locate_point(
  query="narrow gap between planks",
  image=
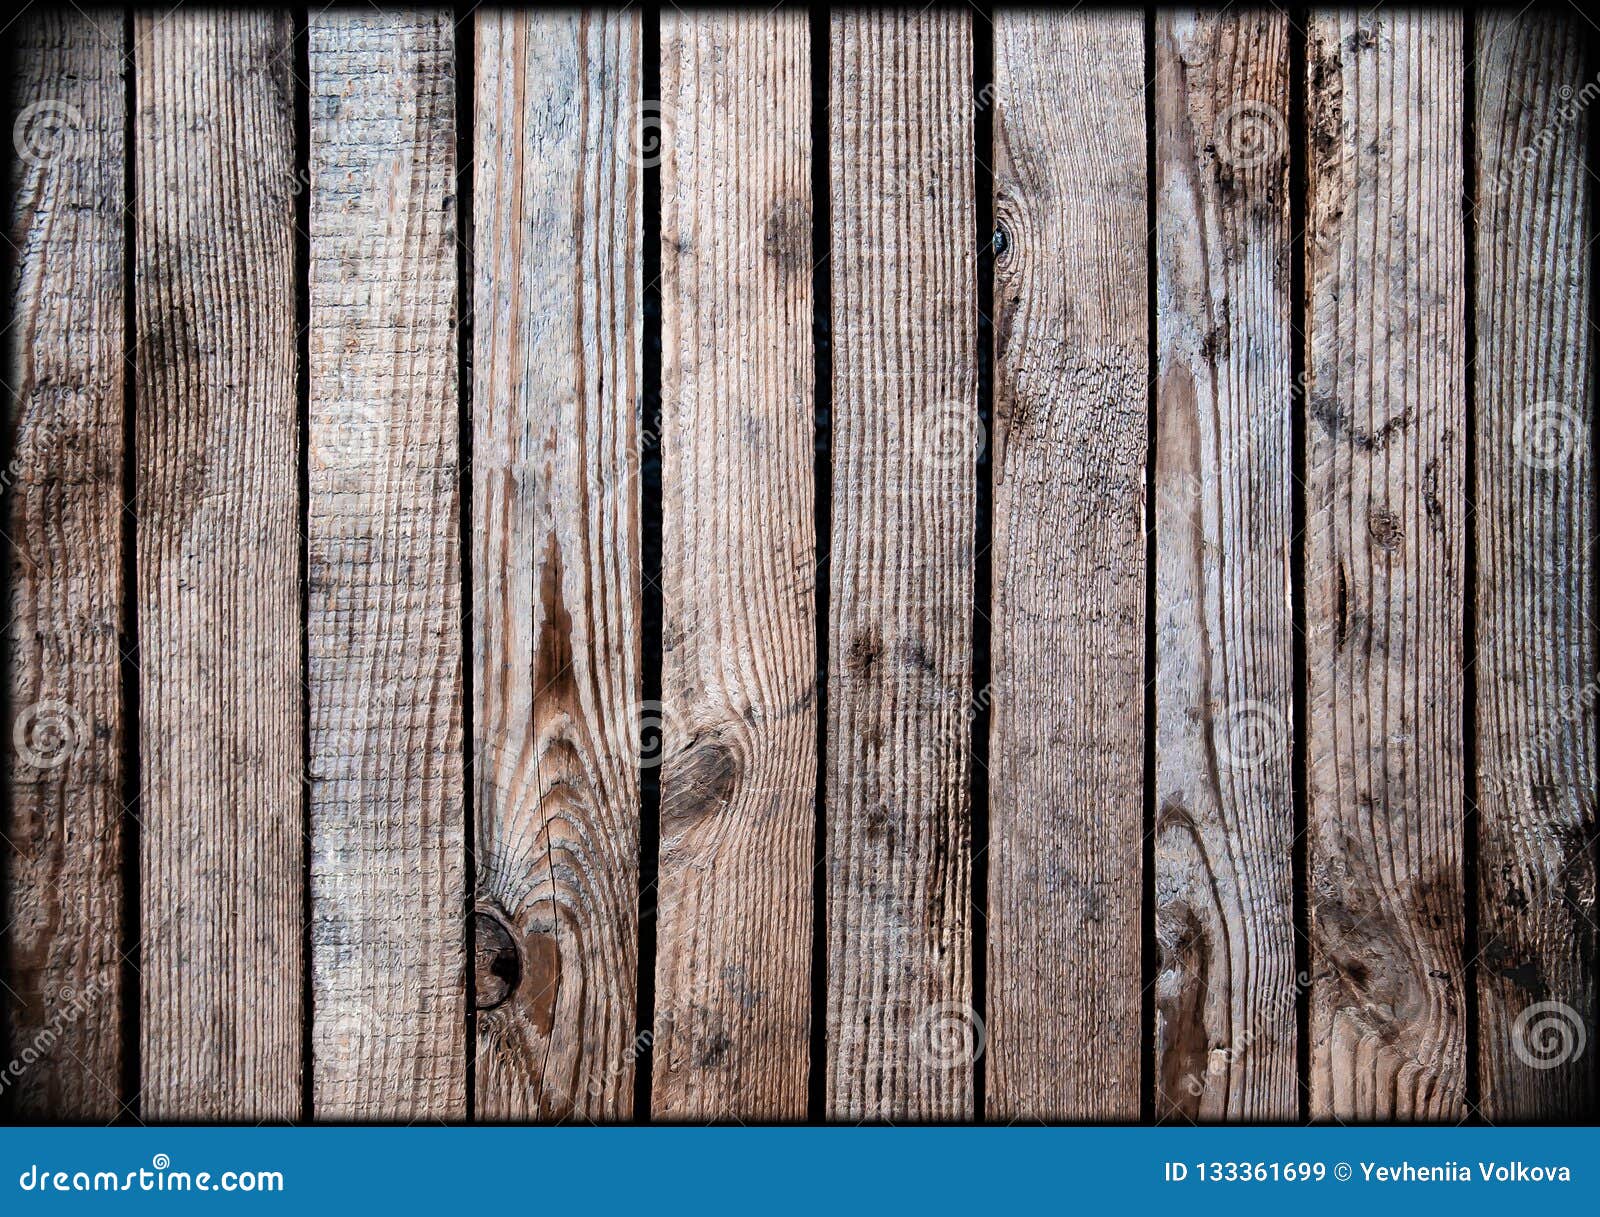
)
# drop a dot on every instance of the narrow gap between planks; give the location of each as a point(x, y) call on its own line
point(822, 514)
point(652, 607)
point(1299, 795)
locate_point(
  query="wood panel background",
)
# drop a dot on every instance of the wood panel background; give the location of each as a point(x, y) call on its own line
point(1247, 450)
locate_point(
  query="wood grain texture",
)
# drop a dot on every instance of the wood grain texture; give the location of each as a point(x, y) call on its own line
point(64, 349)
point(218, 556)
point(1385, 554)
point(1535, 608)
point(1071, 406)
point(738, 777)
point(1225, 997)
point(556, 560)
point(902, 1036)
point(384, 627)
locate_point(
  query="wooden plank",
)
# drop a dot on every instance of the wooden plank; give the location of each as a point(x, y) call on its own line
point(63, 373)
point(1225, 996)
point(1071, 407)
point(218, 555)
point(738, 777)
point(1535, 608)
point(902, 1036)
point(388, 954)
point(1385, 552)
point(556, 560)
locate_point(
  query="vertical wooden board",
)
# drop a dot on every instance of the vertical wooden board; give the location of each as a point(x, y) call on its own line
point(1385, 552)
point(902, 1036)
point(1071, 407)
point(738, 775)
point(384, 628)
point(556, 559)
point(63, 373)
point(1535, 631)
point(217, 555)
point(1225, 996)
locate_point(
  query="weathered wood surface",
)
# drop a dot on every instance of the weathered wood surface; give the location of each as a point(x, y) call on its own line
point(1225, 996)
point(901, 1034)
point(64, 350)
point(556, 559)
point(1535, 605)
point(738, 776)
point(1386, 434)
point(388, 932)
point(1070, 409)
point(218, 558)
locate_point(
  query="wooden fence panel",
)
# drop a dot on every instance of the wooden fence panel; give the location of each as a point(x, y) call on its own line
point(556, 560)
point(218, 566)
point(738, 777)
point(1071, 406)
point(1386, 434)
point(1226, 996)
point(64, 371)
point(384, 615)
point(902, 1035)
point(1535, 621)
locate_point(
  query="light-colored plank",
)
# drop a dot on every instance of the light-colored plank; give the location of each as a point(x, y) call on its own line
point(1225, 996)
point(384, 628)
point(738, 779)
point(556, 559)
point(1386, 441)
point(902, 1036)
point(1535, 618)
point(63, 376)
point(218, 558)
point(1071, 405)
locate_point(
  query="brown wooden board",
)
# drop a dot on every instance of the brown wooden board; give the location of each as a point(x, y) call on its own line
point(388, 929)
point(218, 566)
point(1386, 545)
point(738, 767)
point(64, 351)
point(1535, 606)
point(556, 379)
point(1066, 741)
point(902, 1036)
point(1226, 995)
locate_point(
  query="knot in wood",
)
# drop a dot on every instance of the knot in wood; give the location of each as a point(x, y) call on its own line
point(498, 969)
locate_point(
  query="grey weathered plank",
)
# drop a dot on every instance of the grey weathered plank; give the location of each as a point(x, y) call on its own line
point(218, 566)
point(1535, 606)
point(384, 615)
point(1225, 997)
point(1066, 740)
point(556, 559)
point(63, 376)
point(738, 777)
point(1385, 552)
point(901, 1033)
